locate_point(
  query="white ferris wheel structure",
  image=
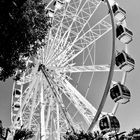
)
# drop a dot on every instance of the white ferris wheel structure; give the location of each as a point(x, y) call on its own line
point(80, 56)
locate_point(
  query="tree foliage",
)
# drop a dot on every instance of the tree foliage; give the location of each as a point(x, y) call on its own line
point(23, 134)
point(3, 132)
point(134, 134)
point(83, 136)
point(23, 25)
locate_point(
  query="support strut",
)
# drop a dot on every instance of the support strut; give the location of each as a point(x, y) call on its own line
point(43, 69)
point(100, 108)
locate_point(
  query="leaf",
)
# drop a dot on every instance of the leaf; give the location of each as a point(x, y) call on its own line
point(22, 24)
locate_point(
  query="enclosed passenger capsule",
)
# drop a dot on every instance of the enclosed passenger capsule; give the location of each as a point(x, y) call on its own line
point(16, 106)
point(124, 34)
point(13, 117)
point(119, 13)
point(124, 61)
point(67, 1)
point(120, 93)
point(58, 4)
point(17, 77)
point(1, 69)
point(109, 123)
point(50, 13)
point(17, 93)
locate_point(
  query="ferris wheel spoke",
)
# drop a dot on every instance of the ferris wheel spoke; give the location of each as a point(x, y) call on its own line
point(61, 118)
point(62, 123)
point(76, 22)
point(66, 16)
point(28, 76)
point(48, 4)
point(91, 68)
point(82, 20)
point(55, 51)
point(55, 39)
point(34, 123)
point(60, 28)
point(48, 45)
point(67, 53)
point(87, 39)
point(56, 95)
point(62, 15)
point(55, 30)
point(94, 32)
point(82, 17)
point(82, 104)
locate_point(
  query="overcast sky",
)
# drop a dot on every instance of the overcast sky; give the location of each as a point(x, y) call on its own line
point(129, 115)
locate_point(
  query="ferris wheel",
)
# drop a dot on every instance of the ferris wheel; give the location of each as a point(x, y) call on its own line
point(65, 86)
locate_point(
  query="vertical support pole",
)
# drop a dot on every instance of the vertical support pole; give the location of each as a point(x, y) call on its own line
point(37, 135)
point(58, 115)
point(42, 113)
point(48, 117)
point(51, 129)
point(20, 115)
point(42, 68)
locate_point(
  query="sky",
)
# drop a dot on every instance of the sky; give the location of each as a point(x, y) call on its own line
point(129, 115)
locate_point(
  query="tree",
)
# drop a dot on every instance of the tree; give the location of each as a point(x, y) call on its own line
point(23, 134)
point(20, 134)
point(134, 134)
point(23, 25)
point(2, 130)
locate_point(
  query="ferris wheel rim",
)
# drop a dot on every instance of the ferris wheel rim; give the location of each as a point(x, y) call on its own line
point(110, 76)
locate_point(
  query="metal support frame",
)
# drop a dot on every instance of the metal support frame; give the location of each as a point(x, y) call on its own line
point(110, 73)
point(42, 112)
point(42, 68)
point(90, 68)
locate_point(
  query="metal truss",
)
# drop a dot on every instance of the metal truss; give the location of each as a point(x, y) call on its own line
point(94, 68)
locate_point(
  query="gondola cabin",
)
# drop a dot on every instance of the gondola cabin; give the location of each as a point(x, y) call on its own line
point(67, 1)
point(58, 4)
point(16, 106)
point(1, 69)
point(119, 13)
point(17, 93)
point(18, 119)
point(124, 34)
point(124, 61)
point(109, 124)
point(50, 13)
point(13, 117)
point(120, 93)
point(17, 125)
